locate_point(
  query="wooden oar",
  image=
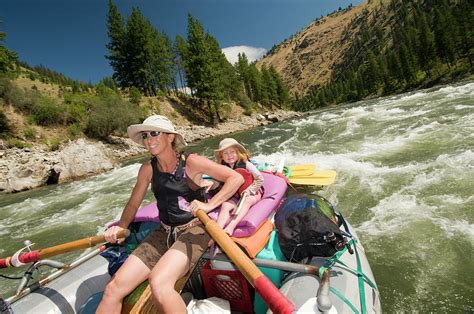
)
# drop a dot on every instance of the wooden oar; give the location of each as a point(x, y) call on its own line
point(36, 255)
point(276, 301)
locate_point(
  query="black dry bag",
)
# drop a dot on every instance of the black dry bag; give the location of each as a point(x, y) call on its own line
point(307, 227)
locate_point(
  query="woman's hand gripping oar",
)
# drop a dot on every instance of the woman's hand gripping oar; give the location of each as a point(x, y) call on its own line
point(19, 258)
point(270, 294)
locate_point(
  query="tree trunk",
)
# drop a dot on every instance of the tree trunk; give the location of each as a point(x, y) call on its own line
point(211, 115)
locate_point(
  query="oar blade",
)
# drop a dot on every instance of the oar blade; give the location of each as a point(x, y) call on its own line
point(312, 180)
point(302, 173)
point(309, 167)
point(324, 174)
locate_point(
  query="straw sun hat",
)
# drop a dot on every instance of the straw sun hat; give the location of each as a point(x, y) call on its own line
point(229, 142)
point(154, 123)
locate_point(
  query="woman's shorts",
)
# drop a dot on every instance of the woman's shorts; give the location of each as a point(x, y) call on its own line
point(192, 241)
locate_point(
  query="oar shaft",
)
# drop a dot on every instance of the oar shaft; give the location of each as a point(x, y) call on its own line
point(36, 255)
point(273, 297)
point(78, 244)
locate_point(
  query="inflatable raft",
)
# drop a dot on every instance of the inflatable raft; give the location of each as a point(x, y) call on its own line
point(343, 283)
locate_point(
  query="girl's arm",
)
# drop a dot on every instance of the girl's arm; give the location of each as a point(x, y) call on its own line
point(257, 178)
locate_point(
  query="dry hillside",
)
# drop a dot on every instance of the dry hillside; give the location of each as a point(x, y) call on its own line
point(183, 112)
point(309, 57)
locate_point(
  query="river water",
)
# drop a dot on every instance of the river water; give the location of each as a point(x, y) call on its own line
point(405, 181)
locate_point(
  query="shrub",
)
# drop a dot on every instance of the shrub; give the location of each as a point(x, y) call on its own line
point(4, 125)
point(54, 145)
point(75, 113)
point(29, 133)
point(110, 115)
point(74, 130)
point(22, 100)
point(14, 142)
point(48, 112)
point(135, 95)
point(245, 103)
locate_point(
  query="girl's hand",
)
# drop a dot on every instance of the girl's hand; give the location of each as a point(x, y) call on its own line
point(195, 205)
point(111, 235)
point(247, 191)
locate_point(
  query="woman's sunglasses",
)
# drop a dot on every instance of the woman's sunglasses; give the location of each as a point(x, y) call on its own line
point(151, 133)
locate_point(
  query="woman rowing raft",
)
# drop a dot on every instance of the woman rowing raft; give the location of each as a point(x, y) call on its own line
point(172, 250)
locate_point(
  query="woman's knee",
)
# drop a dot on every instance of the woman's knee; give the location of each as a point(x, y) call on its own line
point(114, 289)
point(160, 287)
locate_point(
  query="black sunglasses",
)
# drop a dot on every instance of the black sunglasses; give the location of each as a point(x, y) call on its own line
point(151, 133)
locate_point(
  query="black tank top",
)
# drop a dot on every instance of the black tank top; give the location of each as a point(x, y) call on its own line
point(167, 187)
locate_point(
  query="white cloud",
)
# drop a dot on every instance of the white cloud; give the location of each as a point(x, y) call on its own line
point(252, 53)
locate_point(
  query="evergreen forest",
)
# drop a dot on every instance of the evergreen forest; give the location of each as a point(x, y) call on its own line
point(405, 46)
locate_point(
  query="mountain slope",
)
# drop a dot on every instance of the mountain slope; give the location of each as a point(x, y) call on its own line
point(378, 48)
point(309, 57)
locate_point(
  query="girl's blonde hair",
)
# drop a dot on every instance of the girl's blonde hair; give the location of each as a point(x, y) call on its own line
point(241, 156)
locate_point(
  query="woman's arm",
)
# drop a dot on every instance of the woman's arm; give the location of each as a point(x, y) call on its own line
point(135, 200)
point(197, 165)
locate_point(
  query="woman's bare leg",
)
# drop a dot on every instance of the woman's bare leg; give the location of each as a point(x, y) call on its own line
point(173, 265)
point(128, 277)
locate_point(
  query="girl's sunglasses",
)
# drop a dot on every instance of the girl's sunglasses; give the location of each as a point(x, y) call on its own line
point(151, 133)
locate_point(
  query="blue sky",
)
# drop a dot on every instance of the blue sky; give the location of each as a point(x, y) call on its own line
point(69, 36)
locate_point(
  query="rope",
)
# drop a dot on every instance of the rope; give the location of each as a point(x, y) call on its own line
point(8, 277)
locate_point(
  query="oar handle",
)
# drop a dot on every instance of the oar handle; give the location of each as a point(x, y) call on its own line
point(270, 294)
point(78, 244)
point(36, 255)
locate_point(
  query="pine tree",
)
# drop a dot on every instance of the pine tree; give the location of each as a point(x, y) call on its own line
point(180, 49)
point(243, 74)
point(163, 61)
point(7, 57)
point(256, 85)
point(426, 47)
point(464, 13)
point(269, 86)
point(117, 45)
point(444, 35)
point(281, 89)
point(394, 66)
point(406, 60)
point(139, 43)
point(201, 65)
point(372, 72)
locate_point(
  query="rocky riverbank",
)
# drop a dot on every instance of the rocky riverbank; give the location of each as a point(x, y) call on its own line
point(28, 168)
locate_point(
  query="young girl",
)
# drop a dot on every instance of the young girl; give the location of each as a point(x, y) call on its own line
point(232, 154)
